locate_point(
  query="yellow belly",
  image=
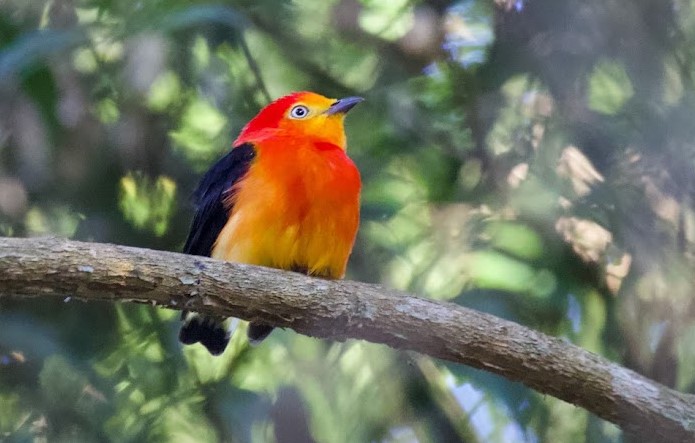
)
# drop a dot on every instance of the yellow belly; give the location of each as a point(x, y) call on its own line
point(304, 220)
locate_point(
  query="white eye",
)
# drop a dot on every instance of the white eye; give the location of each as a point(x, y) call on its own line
point(299, 111)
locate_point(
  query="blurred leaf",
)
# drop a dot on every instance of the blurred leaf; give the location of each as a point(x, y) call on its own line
point(515, 239)
point(57, 220)
point(145, 204)
point(389, 20)
point(165, 91)
point(61, 383)
point(199, 135)
point(490, 270)
point(609, 87)
point(107, 111)
point(12, 415)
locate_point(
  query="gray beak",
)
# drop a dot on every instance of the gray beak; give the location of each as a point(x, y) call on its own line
point(343, 105)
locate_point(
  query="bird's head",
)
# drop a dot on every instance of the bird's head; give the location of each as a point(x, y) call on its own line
point(301, 115)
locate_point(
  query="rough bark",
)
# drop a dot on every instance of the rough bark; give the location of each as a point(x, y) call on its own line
point(344, 309)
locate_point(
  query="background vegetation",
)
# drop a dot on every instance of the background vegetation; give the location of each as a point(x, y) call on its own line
point(529, 158)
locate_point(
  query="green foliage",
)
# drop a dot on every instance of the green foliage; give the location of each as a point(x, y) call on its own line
point(146, 204)
point(532, 159)
point(200, 127)
point(609, 88)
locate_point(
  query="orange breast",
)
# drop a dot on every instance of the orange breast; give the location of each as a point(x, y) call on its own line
point(297, 208)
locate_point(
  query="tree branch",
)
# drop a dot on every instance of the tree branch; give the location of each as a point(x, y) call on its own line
point(345, 309)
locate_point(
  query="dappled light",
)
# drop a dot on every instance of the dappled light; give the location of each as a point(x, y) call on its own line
point(530, 159)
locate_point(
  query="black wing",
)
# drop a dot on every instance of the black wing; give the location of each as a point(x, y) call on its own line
point(211, 214)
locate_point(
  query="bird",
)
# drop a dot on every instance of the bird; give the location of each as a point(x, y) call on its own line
point(285, 196)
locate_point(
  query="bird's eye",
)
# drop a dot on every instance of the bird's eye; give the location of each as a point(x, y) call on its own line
point(299, 111)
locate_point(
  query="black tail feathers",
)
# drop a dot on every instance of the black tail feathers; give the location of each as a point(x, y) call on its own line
point(209, 331)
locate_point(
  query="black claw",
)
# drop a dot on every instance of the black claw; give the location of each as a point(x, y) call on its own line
point(258, 332)
point(206, 330)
